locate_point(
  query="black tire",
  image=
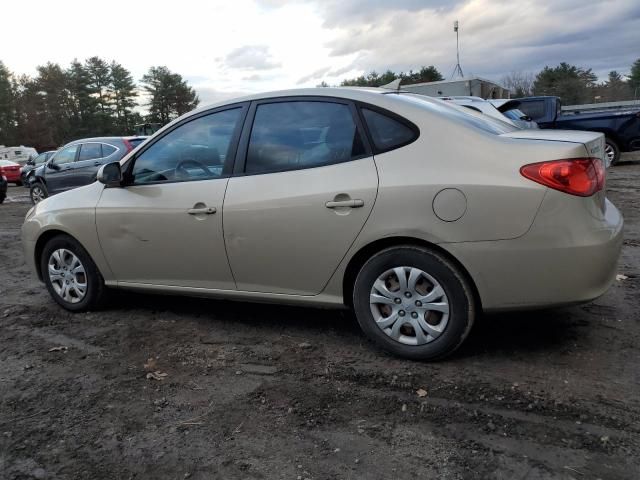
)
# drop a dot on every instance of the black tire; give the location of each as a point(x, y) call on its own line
point(459, 296)
point(2, 197)
point(95, 290)
point(37, 185)
point(616, 150)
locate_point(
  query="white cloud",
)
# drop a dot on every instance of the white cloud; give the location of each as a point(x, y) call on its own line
point(225, 48)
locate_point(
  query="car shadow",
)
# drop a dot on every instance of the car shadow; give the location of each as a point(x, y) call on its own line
point(494, 335)
point(522, 332)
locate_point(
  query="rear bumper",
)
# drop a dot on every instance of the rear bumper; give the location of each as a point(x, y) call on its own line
point(560, 261)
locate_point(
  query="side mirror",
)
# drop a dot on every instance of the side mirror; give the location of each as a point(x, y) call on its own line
point(52, 165)
point(110, 174)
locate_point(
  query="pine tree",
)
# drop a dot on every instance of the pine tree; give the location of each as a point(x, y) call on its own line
point(123, 92)
point(99, 77)
point(634, 79)
point(52, 86)
point(170, 95)
point(572, 84)
point(83, 105)
point(7, 107)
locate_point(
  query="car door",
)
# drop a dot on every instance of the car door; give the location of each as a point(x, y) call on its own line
point(305, 185)
point(87, 164)
point(91, 157)
point(165, 226)
point(59, 169)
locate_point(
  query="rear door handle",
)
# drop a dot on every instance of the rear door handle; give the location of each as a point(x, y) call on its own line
point(345, 203)
point(97, 164)
point(203, 210)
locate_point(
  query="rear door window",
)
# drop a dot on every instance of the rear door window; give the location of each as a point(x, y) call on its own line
point(387, 132)
point(90, 151)
point(302, 134)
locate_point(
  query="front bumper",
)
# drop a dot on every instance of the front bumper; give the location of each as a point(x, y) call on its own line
point(562, 260)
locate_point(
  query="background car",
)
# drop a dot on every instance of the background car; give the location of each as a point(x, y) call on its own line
point(510, 115)
point(415, 213)
point(11, 170)
point(511, 109)
point(77, 163)
point(3, 188)
point(28, 168)
point(621, 126)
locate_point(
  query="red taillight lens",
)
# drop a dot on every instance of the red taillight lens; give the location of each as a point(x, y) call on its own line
point(576, 176)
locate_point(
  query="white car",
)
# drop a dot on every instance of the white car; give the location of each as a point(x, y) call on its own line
point(512, 116)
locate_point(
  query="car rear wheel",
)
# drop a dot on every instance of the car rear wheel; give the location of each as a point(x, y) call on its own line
point(38, 192)
point(2, 197)
point(611, 151)
point(71, 276)
point(413, 302)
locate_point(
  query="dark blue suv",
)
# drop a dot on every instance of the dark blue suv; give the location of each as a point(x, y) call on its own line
point(77, 163)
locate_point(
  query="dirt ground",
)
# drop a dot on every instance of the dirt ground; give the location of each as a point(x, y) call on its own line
point(254, 391)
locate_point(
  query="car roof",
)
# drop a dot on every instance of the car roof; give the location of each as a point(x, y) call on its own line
point(353, 93)
point(105, 139)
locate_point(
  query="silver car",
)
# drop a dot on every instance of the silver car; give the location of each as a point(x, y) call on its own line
point(416, 214)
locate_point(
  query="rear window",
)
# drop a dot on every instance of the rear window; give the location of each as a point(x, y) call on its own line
point(514, 114)
point(534, 109)
point(386, 132)
point(134, 142)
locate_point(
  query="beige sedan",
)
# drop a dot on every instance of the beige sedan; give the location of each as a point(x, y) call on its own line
point(416, 214)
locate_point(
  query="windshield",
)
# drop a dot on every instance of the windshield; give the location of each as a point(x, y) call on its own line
point(515, 114)
point(466, 115)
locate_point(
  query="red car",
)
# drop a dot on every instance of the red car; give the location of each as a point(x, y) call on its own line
point(11, 170)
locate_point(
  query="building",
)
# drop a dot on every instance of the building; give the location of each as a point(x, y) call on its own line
point(471, 86)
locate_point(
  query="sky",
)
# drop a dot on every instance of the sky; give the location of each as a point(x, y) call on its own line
point(233, 47)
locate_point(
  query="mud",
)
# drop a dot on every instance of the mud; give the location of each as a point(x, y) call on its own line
point(255, 391)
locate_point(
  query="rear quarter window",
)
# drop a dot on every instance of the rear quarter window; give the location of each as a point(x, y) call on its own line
point(387, 132)
point(107, 150)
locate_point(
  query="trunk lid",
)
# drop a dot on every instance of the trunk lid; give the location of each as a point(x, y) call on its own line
point(593, 141)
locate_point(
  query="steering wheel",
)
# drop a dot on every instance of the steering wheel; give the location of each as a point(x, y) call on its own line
point(181, 171)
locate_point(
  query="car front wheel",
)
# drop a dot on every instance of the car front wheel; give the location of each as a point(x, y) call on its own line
point(71, 276)
point(413, 302)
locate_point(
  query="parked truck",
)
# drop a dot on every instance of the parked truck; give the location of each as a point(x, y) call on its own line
point(621, 126)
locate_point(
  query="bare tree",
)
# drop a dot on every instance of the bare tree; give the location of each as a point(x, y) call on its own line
point(520, 83)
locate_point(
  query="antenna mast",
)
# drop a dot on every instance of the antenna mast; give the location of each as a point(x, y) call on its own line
point(458, 69)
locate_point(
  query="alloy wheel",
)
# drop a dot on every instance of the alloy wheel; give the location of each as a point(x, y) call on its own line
point(67, 275)
point(37, 194)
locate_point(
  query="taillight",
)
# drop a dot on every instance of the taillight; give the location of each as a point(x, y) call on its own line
point(576, 176)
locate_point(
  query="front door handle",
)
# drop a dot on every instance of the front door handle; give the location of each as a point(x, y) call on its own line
point(203, 210)
point(345, 203)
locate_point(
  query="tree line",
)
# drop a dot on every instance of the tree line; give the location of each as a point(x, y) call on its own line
point(573, 84)
point(90, 98)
